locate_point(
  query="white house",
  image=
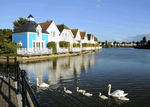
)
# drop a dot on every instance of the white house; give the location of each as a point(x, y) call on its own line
point(95, 40)
point(90, 38)
point(53, 31)
point(84, 38)
point(77, 36)
point(66, 34)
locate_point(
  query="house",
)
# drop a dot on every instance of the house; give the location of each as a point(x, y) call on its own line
point(100, 43)
point(77, 37)
point(66, 34)
point(53, 31)
point(95, 40)
point(90, 38)
point(84, 38)
point(31, 35)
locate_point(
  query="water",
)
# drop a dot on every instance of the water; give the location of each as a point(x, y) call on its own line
point(127, 69)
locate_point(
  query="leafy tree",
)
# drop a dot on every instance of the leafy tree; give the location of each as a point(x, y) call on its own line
point(137, 43)
point(133, 42)
point(148, 43)
point(114, 42)
point(144, 40)
point(141, 42)
point(19, 23)
point(106, 42)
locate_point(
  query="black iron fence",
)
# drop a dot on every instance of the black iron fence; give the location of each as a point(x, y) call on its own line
point(28, 97)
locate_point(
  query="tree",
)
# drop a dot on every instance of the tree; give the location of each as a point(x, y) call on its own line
point(148, 43)
point(106, 43)
point(19, 23)
point(141, 42)
point(144, 40)
point(133, 42)
point(114, 43)
point(137, 43)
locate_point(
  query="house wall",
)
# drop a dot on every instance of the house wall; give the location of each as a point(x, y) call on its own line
point(66, 38)
point(78, 38)
point(85, 40)
point(22, 37)
point(45, 38)
point(32, 36)
point(54, 28)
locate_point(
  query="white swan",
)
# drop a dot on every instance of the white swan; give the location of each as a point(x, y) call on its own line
point(87, 94)
point(123, 98)
point(116, 93)
point(41, 85)
point(67, 91)
point(80, 91)
point(102, 96)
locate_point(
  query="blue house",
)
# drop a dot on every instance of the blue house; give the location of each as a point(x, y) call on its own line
point(31, 35)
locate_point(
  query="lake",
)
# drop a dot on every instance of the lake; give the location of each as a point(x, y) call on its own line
point(126, 69)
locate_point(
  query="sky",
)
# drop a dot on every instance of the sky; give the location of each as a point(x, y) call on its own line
point(111, 20)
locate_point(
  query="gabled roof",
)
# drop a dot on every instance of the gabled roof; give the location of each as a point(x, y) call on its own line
point(82, 34)
point(95, 39)
point(30, 16)
point(74, 31)
point(29, 26)
point(62, 27)
point(45, 25)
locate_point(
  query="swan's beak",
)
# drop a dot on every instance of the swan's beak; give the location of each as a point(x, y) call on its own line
point(108, 85)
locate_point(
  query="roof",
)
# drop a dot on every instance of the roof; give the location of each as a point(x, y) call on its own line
point(45, 25)
point(62, 27)
point(95, 39)
point(29, 26)
point(82, 34)
point(74, 31)
point(89, 36)
point(30, 16)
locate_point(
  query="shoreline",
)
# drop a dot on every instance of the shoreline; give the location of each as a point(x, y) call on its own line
point(41, 58)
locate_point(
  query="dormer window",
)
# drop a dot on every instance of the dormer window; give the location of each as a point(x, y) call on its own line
point(19, 43)
point(39, 31)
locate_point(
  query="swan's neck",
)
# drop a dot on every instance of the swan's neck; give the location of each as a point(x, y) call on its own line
point(37, 82)
point(64, 89)
point(109, 90)
point(77, 89)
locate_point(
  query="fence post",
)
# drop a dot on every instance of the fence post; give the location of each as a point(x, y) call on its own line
point(18, 78)
point(8, 66)
point(15, 68)
point(23, 88)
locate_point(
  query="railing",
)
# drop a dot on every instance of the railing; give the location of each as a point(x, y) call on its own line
point(62, 50)
point(28, 97)
point(24, 51)
point(75, 49)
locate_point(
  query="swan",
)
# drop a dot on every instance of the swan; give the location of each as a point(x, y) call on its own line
point(123, 98)
point(41, 85)
point(81, 91)
point(67, 91)
point(116, 93)
point(87, 94)
point(102, 96)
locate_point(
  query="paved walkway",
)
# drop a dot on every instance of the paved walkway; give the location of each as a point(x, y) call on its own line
point(8, 96)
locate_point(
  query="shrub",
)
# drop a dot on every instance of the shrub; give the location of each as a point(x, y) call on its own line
point(62, 44)
point(52, 45)
point(76, 45)
point(68, 46)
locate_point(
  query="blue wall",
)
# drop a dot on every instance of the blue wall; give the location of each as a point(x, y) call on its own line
point(45, 38)
point(32, 36)
point(22, 37)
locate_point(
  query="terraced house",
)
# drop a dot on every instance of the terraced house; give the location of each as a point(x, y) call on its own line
point(34, 38)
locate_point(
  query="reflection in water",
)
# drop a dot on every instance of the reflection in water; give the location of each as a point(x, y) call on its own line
point(59, 70)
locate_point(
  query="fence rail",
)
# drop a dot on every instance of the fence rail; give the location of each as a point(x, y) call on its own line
point(23, 86)
point(62, 50)
point(24, 51)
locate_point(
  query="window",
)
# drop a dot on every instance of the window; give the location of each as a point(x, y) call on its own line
point(53, 34)
point(66, 34)
point(63, 35)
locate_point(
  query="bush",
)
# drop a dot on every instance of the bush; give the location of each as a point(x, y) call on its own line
point(52, 45)
point(76, 45)
point(68, 46)
point(62, 44)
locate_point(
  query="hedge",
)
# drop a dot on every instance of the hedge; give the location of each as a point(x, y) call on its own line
point(65, 44)
point(52, 45)
point(76, 45)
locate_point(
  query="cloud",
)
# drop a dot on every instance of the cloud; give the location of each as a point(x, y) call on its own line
point(97, 5)
point(99, 0)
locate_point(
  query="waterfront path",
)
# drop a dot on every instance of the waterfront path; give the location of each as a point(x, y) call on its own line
point(8, 96)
